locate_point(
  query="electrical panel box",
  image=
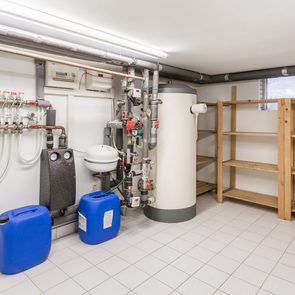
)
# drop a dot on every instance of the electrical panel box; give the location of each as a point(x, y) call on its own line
point(98, 81)
point(61, 76)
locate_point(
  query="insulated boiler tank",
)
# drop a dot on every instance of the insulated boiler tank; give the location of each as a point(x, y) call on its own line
point(175, 187)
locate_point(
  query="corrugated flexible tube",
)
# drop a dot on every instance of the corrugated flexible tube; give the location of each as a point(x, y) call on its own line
point(9, 144)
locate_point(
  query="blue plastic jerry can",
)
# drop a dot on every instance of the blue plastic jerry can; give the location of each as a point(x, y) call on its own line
point(99, 217)
point(25, 238)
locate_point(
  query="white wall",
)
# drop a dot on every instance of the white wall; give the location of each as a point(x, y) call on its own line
point(88, 113)
point(249, 118)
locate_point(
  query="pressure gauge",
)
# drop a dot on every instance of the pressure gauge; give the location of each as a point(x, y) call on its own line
point(53, 157)
point(67, 155)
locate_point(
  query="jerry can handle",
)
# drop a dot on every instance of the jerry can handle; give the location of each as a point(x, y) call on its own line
point(4, 220)
point(26, 211)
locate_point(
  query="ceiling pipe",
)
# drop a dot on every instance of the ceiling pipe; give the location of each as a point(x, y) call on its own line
point(166, 71)
point(176, 73)
point(21, 35)
point(69, 63)
point(254, 75)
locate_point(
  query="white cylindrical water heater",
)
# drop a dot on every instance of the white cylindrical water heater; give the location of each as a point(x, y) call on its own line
point(175, 192)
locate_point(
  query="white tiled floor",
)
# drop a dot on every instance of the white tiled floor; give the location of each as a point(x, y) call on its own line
point(233, 248)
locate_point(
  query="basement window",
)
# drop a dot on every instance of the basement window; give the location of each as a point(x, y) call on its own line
point(282, 87)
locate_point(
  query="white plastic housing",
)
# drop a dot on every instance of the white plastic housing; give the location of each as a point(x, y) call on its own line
point(199, 108)
point(98, 81)
point(61, 76)
point(176, 152)
point(101, 158)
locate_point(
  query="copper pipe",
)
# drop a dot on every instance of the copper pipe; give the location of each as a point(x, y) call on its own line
point(58, 127)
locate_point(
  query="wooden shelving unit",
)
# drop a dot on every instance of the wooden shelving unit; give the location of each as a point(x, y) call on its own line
point(252, 197)
point(289, 136)
point(243, 195)
point(204, 187)
point(205, 133)
point(259, 134)
point(203, 161)
point(251, 165)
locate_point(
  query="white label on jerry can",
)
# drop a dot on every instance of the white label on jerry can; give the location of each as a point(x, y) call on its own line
point(82, 222)
point(108, 219)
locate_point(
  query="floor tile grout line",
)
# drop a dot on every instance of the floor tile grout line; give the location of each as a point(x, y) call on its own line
point(223, 248)
point(278, 261)
point(196, 244)
point(168, 243)
point(17, 284)
point(183, 253)
point(252, 253)
point(72, 277)
point(68, 276)
point(33, 282)
point(168, 264)
point(190, 276)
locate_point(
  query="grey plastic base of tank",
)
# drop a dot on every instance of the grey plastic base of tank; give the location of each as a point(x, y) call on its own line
point(170, 215)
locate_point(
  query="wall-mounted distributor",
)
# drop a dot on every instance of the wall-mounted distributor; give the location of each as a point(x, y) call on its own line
point(98, 81)
point(61, 76)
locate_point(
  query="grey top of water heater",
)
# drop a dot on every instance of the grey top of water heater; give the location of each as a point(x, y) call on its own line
point(176, 88)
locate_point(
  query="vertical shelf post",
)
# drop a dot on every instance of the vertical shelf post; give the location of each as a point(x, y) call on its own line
point(281, 160)
point(288, 159)
point(233, 139)
point(219, 151)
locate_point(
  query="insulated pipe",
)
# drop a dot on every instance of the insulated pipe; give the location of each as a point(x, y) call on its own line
point(130, 89)
point(254, 75)
point(124, 110)
point(145, 116)
point(53, 42)
point(154, 111)
point(146, 129)
point(184, 75)
point(8, 142)
point(69, 63)
point(2, 146)
point(21, 39)
point(37, 153)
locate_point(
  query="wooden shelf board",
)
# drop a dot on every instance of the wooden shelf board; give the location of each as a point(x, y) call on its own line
point(242, 133)
point(205, 133)
point(249, 101)
point(247, 196)
point(251, 165)
point(293, 171)
point(204, 187)
point(293, 206)
point(205, 160)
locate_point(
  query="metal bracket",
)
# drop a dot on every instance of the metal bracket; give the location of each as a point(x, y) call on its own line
point(285, 72)
point(40, 78)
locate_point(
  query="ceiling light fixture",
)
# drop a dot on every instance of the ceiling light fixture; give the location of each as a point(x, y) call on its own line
point(37, 22)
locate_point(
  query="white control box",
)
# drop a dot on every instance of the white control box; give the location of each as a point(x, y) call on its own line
point(61, 76)
point(135, 202)
point(98, 81)
point(136, 93)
